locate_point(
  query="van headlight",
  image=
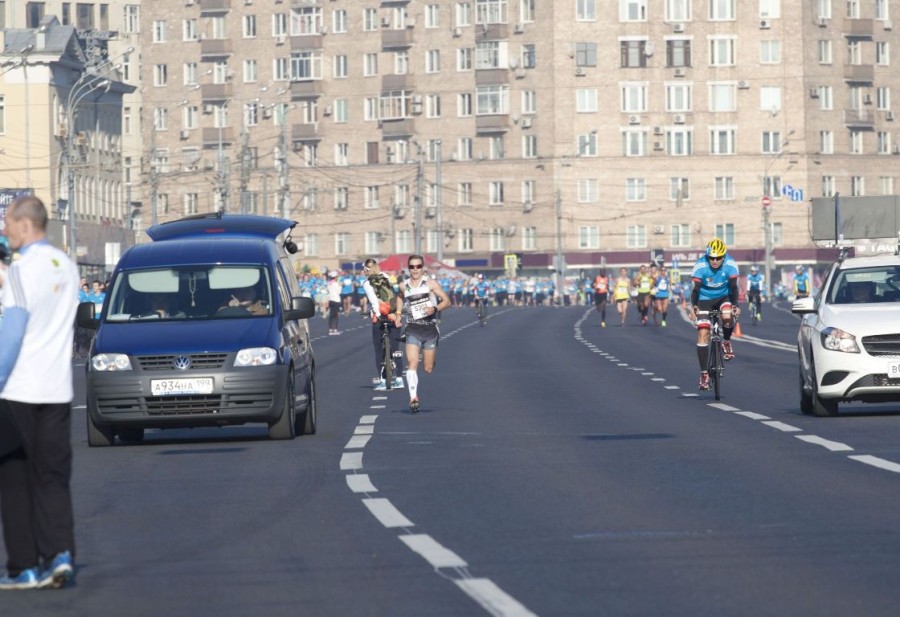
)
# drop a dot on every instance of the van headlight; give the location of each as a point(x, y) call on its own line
point(835, 339)
point(107, 362)
point(256, 356)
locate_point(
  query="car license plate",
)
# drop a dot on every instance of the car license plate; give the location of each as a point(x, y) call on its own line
point(893, 369)
point(174, 387)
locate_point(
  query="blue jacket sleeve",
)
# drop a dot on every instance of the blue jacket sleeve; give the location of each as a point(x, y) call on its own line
point(12, 333)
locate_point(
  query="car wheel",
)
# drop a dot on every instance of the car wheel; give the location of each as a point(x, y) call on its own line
point(822, 408)
point(98, 436)
point(131, 435)
point(306, 424)
point(806, 401)
point(284, 426)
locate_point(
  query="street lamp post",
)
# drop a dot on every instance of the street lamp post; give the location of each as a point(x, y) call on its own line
point(87, 84)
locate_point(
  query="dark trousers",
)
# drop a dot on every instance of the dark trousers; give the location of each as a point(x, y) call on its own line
point(395, 334)
point(35, 500)
point(334, 309)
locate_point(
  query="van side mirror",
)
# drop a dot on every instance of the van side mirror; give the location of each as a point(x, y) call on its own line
point(301, 308)
point(84, 316)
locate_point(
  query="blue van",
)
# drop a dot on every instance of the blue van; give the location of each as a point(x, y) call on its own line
point(204, 326)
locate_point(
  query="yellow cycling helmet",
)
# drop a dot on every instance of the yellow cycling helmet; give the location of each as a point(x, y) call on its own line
point(716, 248)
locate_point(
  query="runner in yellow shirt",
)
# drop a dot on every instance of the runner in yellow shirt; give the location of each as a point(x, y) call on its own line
point(622, 294)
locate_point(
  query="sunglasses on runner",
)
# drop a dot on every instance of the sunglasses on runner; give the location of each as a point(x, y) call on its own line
point(711, 258)
point(416, 266)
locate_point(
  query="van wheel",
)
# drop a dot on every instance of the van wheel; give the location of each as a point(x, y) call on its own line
point(306, 423)
point(98, 436)
point(284, 427)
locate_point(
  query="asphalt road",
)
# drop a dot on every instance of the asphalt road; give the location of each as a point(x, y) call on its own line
point(556, 468)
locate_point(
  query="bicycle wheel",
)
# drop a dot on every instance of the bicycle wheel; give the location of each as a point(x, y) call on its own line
point(386, 362)
point(713, 364)
point(482, 313)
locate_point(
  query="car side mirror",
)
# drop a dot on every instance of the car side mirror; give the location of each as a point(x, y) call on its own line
point(84, 316)
point(803, 306)
point(301, 308)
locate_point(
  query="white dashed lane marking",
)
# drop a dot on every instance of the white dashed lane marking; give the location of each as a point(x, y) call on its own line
point(432, 552)
point(360, 483)
point(386, 513)
point(832, 446)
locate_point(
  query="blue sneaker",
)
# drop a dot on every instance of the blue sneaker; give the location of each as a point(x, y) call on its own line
point(26, 579)
point(397, 383)
point(58, 573)
point(381, 385)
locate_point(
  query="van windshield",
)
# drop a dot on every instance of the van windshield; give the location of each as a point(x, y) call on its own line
point(193, 292)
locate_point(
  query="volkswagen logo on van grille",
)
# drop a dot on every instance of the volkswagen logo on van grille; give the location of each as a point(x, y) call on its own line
point(182, 363)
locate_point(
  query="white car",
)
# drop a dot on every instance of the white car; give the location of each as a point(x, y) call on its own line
point(849, 340)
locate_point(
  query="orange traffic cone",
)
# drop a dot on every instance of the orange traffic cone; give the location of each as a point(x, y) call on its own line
point(737, 330)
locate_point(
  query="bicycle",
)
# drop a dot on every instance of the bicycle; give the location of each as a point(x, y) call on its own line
point(388, 368)
point(482, 310)
point(753, 307)
point(715, 365)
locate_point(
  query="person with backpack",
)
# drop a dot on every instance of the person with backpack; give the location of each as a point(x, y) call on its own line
point(382, 301)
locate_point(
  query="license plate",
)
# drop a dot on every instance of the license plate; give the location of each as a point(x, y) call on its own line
point(173, 387)
point(893, 369)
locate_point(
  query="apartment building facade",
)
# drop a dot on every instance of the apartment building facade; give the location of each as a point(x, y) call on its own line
point(471, 129)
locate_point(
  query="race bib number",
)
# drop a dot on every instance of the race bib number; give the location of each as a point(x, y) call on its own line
point(418, 307)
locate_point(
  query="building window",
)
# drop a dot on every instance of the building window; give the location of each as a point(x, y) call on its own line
point(636, 236)
point(724, 188)
point(433, 61)
point(310, 245)
point(588, 191)
point(826, 97)
point(159, 31)
point(586, 145)
point(464, 193)
point(828, 186)
point(632, 54)
point(771, 142)
point(722, 140)
point(160, 118)
point(721, 51)
point(633, 10)
point(635, 189)
point(826, 142)
point(529, 147)
point(589, 237)
point(529, 102)
point(340, 67)
point(725, 233)
point(466, 240)
point(493, 99)
point(251, 71)
point(882, 53)
point(680, 235)
point(496, 193)
point(529, 56)
point(464, 106)
point(340, 111)
point(189, 30)
point(586, 100)
point(529, 238)
point(432, 16)
point(463, 13)
point(490, 11)
point(132, 18)
point(249, 29)
point(433, 106)
point(585, 54)
point(678, 97)
point(770, 9)
point(634, 142)
point(883, 98)
point(306, 21)
point(721, 10)
point(306, 65)
point(886, 185)
point(678, 10)
point(825, 52)
point(634, 97)
point(84, 16)
point(770, 52)
point(770, 98)
point(856, 142)
point(339, 21)
point(679, 142)
point(497, 239)
point(341, 243)
point(884, 142)
point(586, 10)
point(464, 148)
point(490, 54)
point(370, 20)
point(678, 53)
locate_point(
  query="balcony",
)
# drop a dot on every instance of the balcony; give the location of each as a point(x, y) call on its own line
point(396, 129)
point(396, 39)
point(859, 73)
point(491, 77)
point(859, 28)
point(305, 132)
point(216, 92)
point(214, 6)
point(215, 48)
point(859, 119)
point(307, 41)
point(212, 136)
point(492, 32)
point(311, 89)
point(492, 124)
point(397, 82)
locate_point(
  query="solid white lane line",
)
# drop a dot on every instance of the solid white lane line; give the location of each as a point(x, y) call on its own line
point(386, 513)
point(351, 460)
point(752, 415)
point(874, 461)
point(360, 483)
point(434, 553)
point(723, 406)
point(368, 419)
point(781, 426)
point(357, 442)
point(493, 599)
point(834, 446)
point(364, 429)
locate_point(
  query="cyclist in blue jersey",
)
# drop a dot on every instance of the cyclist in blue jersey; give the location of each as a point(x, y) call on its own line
point(801, 283)
point(715, 278)
point(755, 284)
point(480, 291)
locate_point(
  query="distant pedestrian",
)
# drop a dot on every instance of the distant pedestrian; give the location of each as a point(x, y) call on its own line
point(334, 303)
point(39, 300)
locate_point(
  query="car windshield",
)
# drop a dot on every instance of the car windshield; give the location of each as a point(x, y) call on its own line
point(875, 284)
point(194, 292)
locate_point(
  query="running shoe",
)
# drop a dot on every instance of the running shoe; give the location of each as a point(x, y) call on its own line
point(397, 382)
point(602, 324)
point(758, 317)
point(58, 573)
point(728, 352)
point(663, 324)
point(414, 405)
point(381, 385)
point(26, 579)
point(704, 381)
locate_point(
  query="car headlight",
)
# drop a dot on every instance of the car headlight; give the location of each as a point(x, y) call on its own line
point(107, 362)
point(256, 356)
point(836, 339)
